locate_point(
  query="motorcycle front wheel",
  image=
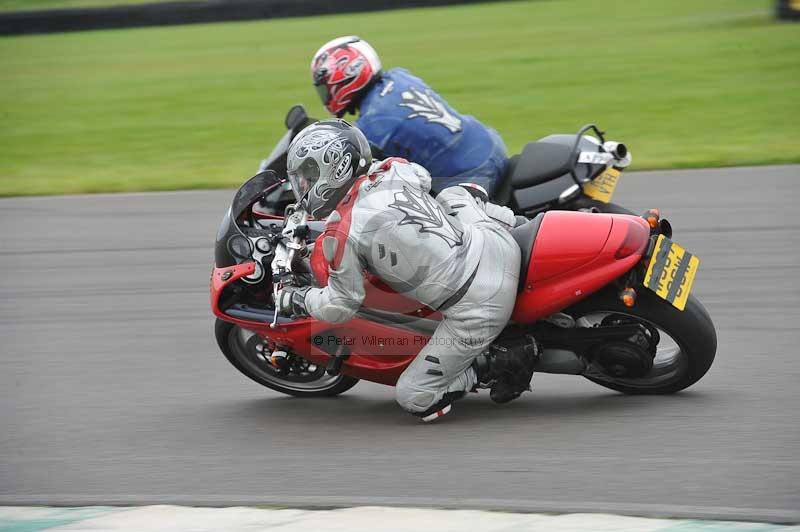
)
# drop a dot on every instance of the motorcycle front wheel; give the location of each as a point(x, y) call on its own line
point(246, 351)
point(687, 341)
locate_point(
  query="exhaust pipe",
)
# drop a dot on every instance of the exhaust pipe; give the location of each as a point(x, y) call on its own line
point(620, 152)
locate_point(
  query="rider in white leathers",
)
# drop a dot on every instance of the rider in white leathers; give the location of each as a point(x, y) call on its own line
point(453, 254)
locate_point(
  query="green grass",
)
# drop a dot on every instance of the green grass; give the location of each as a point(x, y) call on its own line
point(33, 5)
point(683, 83)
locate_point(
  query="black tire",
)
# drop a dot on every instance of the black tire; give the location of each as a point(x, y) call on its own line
point(243, 357)
point(691, 330)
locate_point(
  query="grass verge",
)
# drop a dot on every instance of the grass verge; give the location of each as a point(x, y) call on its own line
point(683, 83)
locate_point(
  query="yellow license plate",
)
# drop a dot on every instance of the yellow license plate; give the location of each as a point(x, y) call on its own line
point(602, 187)
point(671, 272)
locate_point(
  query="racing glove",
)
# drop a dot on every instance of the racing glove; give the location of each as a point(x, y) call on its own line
point(291, 301)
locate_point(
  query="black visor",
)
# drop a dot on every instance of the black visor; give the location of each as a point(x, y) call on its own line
point(324, 95)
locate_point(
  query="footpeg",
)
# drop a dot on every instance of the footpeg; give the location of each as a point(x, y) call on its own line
point(334, 366)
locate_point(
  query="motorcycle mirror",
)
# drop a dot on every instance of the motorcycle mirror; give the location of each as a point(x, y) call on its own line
point(296, 117)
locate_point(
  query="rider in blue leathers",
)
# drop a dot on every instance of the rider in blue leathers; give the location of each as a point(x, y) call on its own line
point(402, 116)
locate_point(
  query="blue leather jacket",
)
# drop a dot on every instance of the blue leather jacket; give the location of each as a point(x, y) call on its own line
point(404, 117)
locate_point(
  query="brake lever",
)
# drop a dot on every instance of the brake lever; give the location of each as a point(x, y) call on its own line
point(279, 277)
point(296, 229)
point(274, 319)
point(278, 272)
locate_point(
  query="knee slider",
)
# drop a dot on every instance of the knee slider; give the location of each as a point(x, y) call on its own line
point(441, 407)
point(412, 397)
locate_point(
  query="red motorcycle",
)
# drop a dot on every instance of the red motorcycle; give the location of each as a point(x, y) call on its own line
point(607, 296)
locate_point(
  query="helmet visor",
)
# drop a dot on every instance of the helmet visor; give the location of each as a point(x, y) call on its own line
point(305, 177)
point(322, 91)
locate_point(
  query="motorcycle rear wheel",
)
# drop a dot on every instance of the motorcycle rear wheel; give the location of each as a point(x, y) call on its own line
point(684, 354)
point(240, 348)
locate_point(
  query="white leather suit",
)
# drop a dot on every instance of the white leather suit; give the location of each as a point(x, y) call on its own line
point(453, 254)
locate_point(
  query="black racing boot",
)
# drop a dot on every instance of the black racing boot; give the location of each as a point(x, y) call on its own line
point(507, 368)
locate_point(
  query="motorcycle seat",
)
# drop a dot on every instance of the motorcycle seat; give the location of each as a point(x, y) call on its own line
point(502, 195)
point(541, 161)
point(525, 236)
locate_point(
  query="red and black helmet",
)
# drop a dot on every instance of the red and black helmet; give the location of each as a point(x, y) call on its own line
point(341, 70)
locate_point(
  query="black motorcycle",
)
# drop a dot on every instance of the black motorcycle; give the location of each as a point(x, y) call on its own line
point(576, 172)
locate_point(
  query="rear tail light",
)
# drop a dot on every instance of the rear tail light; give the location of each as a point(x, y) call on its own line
point(652, 216)
point(635, 239)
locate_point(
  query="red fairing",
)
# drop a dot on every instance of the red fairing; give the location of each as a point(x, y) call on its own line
point(222, 277)
point(378, 353)
point(574, 255)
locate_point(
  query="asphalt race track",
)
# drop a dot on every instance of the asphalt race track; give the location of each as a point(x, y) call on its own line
point(112, 389)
